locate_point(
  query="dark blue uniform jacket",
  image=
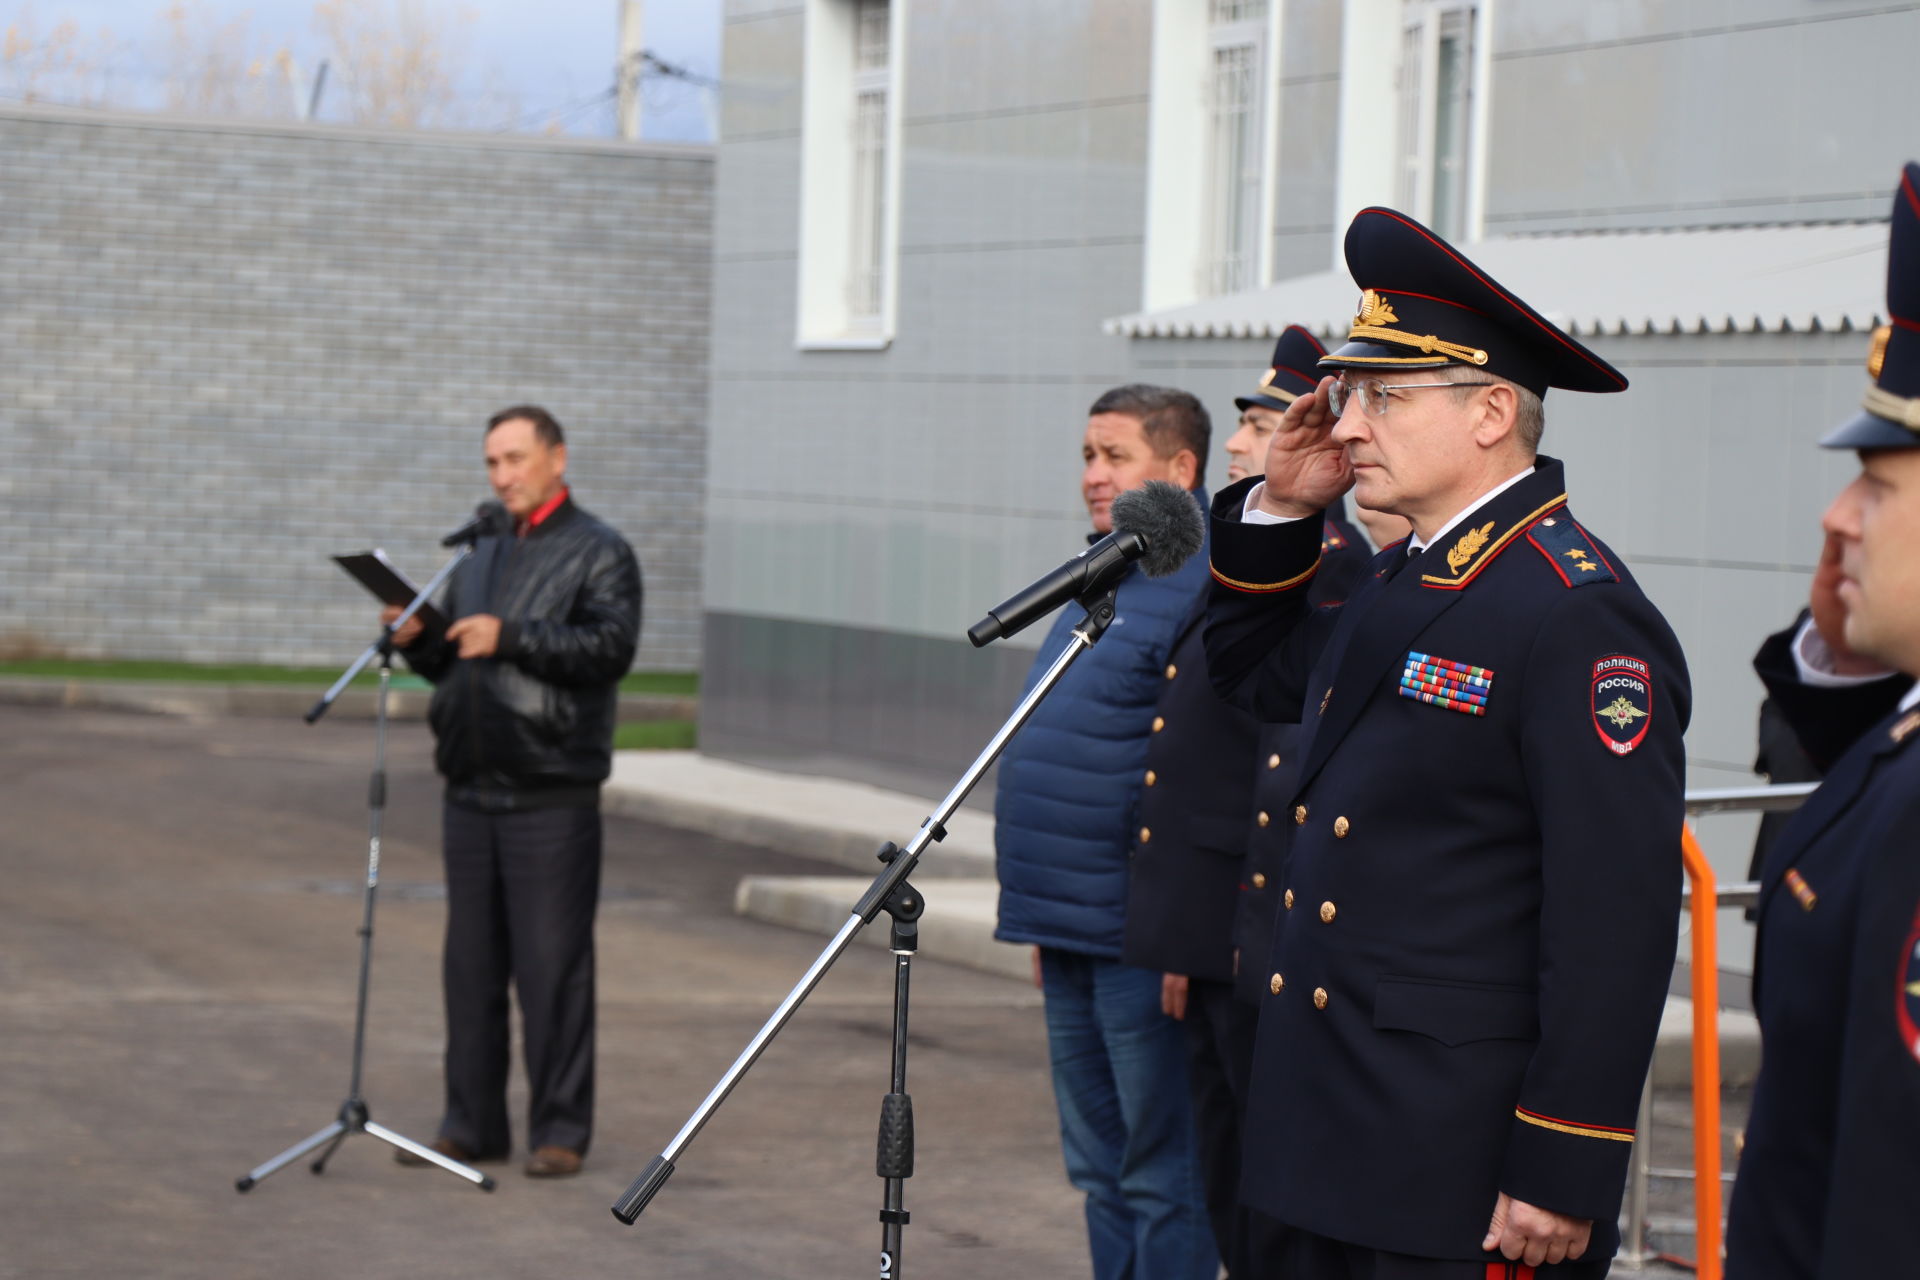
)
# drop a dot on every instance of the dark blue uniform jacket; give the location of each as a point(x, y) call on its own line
point(1194, 828)
point(1069, 780)
point(1829, 1179)
point(1484, 874)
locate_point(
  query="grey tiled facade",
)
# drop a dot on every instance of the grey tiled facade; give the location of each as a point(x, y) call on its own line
point(228, 352)
point(865, 507)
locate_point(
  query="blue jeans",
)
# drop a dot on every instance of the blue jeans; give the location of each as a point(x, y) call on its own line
point(1126, 1123)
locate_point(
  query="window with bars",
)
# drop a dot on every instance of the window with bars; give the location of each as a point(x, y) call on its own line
point(1436, 86)
point(866, 257)
point(851, 92)
point(1236, 89)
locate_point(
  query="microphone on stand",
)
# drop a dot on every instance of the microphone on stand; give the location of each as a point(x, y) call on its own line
point(1158, 524)
point(489, 518)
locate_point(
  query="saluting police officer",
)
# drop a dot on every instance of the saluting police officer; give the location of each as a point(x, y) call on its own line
point(1185, 866)
point(1482, 890)
point(1831, 1168)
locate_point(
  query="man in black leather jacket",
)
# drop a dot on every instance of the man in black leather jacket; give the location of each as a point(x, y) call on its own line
point(526, 683)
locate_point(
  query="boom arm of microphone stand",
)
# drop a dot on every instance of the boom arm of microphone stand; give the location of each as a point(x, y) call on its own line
point(385, 642)
point(1100, 611)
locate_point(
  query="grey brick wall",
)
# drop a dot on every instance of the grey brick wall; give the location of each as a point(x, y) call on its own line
point(228, 352)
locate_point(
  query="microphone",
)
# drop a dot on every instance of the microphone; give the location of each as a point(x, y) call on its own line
point(490, 517)
point(1157, 524)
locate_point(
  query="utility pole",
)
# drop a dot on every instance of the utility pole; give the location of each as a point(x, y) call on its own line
point(630, 66)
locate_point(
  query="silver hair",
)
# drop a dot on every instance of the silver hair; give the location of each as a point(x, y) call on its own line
point(1529, 414)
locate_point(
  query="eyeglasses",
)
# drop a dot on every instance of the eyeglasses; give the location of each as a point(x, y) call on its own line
point(1375, 395)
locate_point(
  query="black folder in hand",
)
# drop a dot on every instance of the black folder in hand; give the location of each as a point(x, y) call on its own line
point(372, 570)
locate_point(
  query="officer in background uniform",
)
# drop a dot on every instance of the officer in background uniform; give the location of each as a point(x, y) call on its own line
point(1831, 1169)
point(1185, 869)
point(1485, 867)
point(1344, 553)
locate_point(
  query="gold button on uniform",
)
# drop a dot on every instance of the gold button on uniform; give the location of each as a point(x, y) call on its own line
point(1172, 671)
point(1326, 913)
point(1262, 818)
point(1299, 814)
point(1277, 984)
point(1159, 723)
point(1273, 761)
point(1319, 997)
point(1152, 777)
point(1289, 899)
point(1259, 879)
point(1145, 835)
point(1340, 828)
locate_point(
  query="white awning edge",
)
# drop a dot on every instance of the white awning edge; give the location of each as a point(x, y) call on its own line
point(1798, 278)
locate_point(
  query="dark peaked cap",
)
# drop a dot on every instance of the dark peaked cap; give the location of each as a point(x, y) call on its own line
point(1426, 305)
point(1292, 374)
point(1892, 417)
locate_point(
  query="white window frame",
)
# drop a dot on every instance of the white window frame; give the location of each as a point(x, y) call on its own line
point(1229, 268)
point(1418, 89)
point(1376, 154)
point(827, 318)
point(1180, 185)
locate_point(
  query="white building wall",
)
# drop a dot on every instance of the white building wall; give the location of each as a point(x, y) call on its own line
point(864, 508)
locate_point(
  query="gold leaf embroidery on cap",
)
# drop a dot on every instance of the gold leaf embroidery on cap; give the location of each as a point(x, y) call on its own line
point(1877, 352)
point(1374, 310)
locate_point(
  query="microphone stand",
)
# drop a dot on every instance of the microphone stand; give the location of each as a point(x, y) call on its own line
point(891, 893)
point(353, 1116)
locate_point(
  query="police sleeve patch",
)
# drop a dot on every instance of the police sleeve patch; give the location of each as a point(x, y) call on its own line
point(1622, 702)
point(1907, 1000)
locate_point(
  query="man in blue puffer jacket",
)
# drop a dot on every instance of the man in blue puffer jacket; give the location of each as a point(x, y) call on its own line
point(1068, 785)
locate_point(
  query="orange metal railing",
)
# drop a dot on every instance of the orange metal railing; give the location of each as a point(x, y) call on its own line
point(1706, 1058)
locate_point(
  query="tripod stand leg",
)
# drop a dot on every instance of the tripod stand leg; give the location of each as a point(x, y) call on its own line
point(431, 1156)
point(319, 1164)
point(332, 1133)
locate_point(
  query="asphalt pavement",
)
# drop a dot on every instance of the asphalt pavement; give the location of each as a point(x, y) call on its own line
point(178, 955)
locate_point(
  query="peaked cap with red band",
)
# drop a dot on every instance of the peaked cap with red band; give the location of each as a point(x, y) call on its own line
point(1892, 417)
point(1291, 375)
point(1427, 305)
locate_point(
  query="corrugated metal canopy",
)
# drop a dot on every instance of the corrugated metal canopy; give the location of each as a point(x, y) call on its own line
point(1774, 279)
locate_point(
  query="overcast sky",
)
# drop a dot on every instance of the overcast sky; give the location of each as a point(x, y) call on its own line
point(550, 57)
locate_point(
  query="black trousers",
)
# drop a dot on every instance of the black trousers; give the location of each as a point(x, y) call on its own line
point(521, 893)
point(1220, 1035)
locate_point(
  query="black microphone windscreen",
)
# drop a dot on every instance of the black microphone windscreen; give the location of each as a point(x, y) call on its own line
point(492, 516)
point(1168, 518)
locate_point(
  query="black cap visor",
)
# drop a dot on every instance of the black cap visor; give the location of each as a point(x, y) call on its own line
point(1382, 358)
point(1871, 431)
point(1264, 400)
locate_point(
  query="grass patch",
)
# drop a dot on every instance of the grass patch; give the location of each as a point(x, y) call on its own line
point(685, 684)
point(654, 735)
point(206, 673)
point(678, 683)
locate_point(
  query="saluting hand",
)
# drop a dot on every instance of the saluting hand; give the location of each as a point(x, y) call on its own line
point(1306, 468)
point(1535, 1236)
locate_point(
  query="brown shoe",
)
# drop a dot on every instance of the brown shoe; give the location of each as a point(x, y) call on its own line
point(553, 1162)
point(445, 1146)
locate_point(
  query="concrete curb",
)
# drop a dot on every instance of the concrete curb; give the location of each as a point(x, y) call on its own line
point(824, 818)
point(958, 927)
point(192, 698)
